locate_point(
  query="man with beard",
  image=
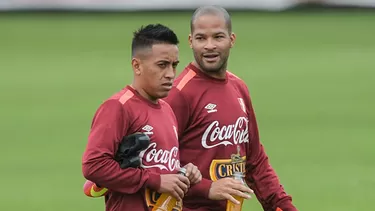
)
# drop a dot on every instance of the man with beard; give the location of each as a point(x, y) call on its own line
point(217, 125)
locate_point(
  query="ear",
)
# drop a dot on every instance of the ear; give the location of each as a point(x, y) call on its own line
point(190, 41)
point(232, 39)
point(136, 64)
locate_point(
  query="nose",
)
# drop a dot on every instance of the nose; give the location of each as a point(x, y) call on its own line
point(210, 44)
point(170, 73)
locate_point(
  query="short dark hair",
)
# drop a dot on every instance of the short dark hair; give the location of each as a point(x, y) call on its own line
point(152, 34)
point(211, 10)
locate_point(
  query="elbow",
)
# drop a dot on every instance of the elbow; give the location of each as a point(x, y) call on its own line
point(89, 172)
point(91, 164)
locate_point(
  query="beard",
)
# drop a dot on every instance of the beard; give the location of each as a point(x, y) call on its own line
point(212, 67)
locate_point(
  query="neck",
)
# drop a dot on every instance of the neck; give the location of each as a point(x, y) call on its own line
point(221, 74)
point(138, 88)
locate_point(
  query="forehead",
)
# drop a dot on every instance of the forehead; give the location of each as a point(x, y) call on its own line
point(164, 52)
point(207, 24)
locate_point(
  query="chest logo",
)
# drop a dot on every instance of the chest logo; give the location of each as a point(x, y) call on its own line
point(147, 129)
point(211, 108)
point(232, 134)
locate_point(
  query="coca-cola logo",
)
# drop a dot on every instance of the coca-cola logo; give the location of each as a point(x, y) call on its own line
point(217, 134)
point(152, 157)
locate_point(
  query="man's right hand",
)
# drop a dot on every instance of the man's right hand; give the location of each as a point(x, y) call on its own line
point(175, 184)
point(224, 189)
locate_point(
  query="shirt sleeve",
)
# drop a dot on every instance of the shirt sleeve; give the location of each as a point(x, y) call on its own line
point(180, 108)
point(260, 176)
point(109, 126)
point(201, 189)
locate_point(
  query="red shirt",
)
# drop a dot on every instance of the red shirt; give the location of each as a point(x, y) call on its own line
point(216, 124)
point(123, 114)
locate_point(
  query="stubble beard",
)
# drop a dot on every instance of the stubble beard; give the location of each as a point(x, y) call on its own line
point(220, 66)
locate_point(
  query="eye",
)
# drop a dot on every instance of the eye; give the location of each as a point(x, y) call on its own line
point(162, 65)
point(199, 38)
point(174, 65)
point(220, 37)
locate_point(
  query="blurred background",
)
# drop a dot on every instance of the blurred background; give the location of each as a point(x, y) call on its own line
point(309, 65)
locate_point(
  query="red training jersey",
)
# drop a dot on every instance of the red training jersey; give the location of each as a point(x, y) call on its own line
point(123, 114)
point(218, 133)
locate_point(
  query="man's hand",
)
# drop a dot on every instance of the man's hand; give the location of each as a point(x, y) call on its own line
point(175, 184)
point(193, 173)
point(226, 188)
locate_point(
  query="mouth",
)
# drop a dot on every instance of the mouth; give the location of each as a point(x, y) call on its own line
point(167, 85)
point(211, 57)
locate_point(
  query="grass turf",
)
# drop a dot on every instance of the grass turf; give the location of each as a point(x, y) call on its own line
point(311, 75)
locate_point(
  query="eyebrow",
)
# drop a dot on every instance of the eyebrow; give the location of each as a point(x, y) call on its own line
point(201, 34)
point(166, 61)
point(163, 61)
point(198, 34)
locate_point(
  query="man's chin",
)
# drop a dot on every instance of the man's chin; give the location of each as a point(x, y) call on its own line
point(163, 94)
point(212, 68)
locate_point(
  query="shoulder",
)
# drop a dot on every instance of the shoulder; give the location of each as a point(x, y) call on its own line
point(184, 79)
point(167, 108)
point(240, 85)
point(182, 87)
point(118, 102)
point(233, 78)
point(177, 98)
point(122, 96)
point(164, 105)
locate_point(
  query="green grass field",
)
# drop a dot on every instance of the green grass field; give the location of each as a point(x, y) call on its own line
point(311, 76)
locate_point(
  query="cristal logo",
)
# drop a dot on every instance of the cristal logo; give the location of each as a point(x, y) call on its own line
point(216, 135)
point(159, 158)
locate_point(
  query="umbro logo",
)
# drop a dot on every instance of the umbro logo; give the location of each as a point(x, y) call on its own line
point(211, 108)
point(148, 130)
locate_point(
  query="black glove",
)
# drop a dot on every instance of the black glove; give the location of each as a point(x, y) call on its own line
point(130, 147)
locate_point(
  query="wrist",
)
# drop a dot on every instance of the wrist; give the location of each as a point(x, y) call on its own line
point(153, 181)
point(201, 189)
